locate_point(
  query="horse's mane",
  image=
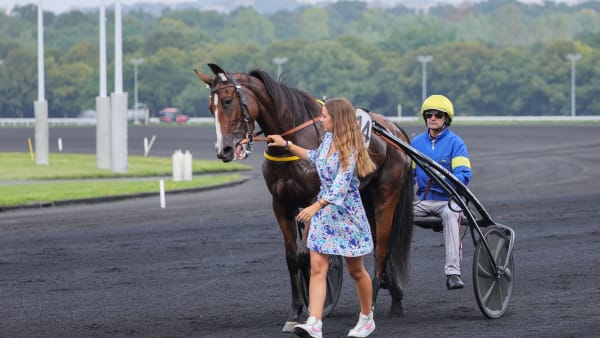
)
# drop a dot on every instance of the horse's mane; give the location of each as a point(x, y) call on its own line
point(288, 99)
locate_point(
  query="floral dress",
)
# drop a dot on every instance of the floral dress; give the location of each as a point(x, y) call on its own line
point(341, 228)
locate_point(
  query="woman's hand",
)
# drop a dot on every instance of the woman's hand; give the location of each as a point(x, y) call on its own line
point(307, 213)
point(278, 141)
point(275, 141)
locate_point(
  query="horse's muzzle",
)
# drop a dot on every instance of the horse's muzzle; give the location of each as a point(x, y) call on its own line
point(226, 155)
point(239, 152)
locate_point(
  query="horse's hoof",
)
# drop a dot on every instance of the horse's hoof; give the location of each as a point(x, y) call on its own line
point(289, 327)
point(397, 312)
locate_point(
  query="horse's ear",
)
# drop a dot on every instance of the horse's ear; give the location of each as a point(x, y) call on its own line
point(216, 69)
point(204, 77)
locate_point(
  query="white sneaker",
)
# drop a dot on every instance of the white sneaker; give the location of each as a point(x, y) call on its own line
point(312, 328)
point(364, 327)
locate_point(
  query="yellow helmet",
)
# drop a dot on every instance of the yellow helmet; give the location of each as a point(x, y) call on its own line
point(438, 102)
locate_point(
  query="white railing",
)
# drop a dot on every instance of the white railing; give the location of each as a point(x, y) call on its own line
point(30, 122)
point(506, 118)
point(90, 121)
point(78, 121)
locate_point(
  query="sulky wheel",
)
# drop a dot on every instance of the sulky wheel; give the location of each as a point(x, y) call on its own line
point(335, 275)
point(493, 289)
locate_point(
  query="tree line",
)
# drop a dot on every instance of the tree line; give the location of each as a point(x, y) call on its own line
point(491, 58)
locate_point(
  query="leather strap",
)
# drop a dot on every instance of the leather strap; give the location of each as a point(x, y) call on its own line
point(289, 132)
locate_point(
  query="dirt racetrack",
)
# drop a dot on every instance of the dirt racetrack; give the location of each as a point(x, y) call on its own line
point(212, 265)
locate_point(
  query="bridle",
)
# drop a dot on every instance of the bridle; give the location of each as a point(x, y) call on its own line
point(238, 90)
point(250, 137)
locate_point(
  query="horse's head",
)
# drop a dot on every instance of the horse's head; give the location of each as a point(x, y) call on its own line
point(234, 122)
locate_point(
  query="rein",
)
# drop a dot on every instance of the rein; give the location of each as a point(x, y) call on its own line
point(297, 128)
point(289, 132)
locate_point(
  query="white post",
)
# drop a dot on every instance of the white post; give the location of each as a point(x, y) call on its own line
point(60, 144)
point(102, 48)
point(40, 107)
point(573, 58)
point(118, 48)
point(424, 59)
point(161, 185)
point(118, 144)
point(103, 156)
point(187, 166)
point(40, 50)
point(177, 159)
point(147, 150)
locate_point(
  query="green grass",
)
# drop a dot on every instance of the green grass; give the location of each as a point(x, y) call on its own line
point(75, 176)
point(19, 166)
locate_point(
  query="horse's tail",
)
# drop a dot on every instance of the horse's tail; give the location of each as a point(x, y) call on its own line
point(402, 231)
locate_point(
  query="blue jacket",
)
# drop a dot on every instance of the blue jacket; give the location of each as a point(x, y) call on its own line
point(448, 150)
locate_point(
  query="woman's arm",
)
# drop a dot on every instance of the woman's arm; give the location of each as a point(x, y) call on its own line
point(278, 141)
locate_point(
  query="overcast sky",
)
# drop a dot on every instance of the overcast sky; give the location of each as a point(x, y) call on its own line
point(60, 6)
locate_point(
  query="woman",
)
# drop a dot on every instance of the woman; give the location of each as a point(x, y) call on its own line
point(337, 221)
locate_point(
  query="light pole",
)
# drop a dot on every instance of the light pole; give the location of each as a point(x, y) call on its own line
point(118, 103)
point(573, 58)
point(423, 59)
point(40, 107)
point(103, 110)
point(135, 62)
point(279, 60)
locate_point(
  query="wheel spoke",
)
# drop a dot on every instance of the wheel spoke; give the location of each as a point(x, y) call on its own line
point(486, 297)
point(484, 271)
point(500, 294)
point(508, 275)
point(499, 246)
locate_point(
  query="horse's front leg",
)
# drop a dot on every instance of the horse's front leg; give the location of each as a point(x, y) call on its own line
point(287, 223)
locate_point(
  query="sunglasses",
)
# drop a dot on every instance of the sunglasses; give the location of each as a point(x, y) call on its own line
point(438, 114)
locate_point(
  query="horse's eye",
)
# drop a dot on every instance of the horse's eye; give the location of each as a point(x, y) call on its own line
point(227, 102)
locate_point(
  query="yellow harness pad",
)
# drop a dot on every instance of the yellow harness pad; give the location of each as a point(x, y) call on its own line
point(281, 159)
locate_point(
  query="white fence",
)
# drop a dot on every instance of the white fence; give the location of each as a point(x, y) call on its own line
point(81, 121)
point(459, 119)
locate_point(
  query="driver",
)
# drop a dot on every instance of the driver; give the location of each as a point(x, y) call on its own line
point(450, 151)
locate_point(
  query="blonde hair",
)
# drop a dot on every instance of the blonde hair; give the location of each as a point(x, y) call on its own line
point(347, 136)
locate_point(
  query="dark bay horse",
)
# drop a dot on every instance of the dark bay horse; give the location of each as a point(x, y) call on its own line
point(239, 100)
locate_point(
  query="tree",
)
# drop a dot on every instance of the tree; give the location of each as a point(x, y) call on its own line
point(429, 32)
point(18, 87)
point(165, 75)
point(247, 26)
point(84, 52)
point(503, 84)
point(71, 89)
point(328, 69)
point(314, 24)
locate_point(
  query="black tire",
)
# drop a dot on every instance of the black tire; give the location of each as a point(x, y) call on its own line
point(335, 275)
point(493, 289)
